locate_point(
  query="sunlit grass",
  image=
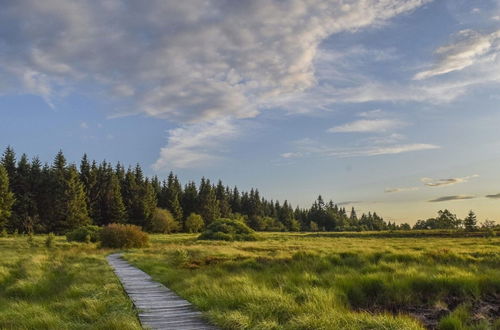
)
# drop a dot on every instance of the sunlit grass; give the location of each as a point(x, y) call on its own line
point(68, 286)
point(299, 281)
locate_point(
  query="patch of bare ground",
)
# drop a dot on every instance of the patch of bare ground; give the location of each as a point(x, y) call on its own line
point(487, 308)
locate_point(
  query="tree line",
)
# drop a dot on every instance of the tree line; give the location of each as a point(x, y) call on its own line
point(59, 197)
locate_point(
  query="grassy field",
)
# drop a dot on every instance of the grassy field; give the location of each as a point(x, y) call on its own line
point(306, 281)
point(68, 286)
point(284, 281)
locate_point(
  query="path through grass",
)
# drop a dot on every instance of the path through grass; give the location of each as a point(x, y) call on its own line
point(295, 281)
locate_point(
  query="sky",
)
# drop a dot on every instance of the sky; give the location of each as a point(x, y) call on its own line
point(385, 105)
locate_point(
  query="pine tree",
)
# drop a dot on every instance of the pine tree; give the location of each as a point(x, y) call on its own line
point(172, 194)
point(24, 216)
point(6, 197)
point(9, 163)
point(470, 222)
point(75, 208)
point(189, 199)
point(207, 202)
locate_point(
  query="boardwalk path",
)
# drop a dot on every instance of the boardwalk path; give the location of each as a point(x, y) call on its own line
point(159, 307)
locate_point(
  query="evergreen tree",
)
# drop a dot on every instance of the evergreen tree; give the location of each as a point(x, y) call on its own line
point(190, 199)
point(207, 202)
point(9, 163)
point(75, 208)
point(172, 195)
point(24, 216)
point(470, 222)
point(6, 197)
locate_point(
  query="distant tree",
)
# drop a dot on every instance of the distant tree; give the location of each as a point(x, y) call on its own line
point(76, 212)
point(194, 223)
point(6, 197)
point(207, 202)
point(470, 222)
point(164, 222)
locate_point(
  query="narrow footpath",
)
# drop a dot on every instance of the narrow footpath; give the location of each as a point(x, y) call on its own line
point(158, 307)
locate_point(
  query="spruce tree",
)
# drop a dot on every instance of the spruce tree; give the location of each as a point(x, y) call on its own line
point(470, 222)
point(6, 197)
point(75, 204)
point(207, 202)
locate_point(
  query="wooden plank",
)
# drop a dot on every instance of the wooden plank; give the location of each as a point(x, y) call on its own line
point(158, 306)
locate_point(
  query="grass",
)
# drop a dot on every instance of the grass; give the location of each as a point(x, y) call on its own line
point(304, 281)
point(67, 286)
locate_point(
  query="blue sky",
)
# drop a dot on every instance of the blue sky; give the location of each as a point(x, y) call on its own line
point(388, 105)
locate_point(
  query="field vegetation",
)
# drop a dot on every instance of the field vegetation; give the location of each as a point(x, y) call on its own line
point(310, 281)
point(48, 283)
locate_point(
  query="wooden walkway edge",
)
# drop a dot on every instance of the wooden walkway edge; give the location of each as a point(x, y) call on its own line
point(158, 307)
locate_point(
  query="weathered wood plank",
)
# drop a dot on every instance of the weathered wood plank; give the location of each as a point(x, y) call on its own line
point(158, 306)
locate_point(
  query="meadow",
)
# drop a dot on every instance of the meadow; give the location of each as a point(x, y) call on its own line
point(311, 281)
point(66, 286)
point(282, 281)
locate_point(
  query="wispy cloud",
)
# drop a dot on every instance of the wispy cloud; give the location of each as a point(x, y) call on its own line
point(84, 125)
point(195, 145)
point(184, 61)
point(470, 47)
point(452, 198)
point(446, 182)
point(401, 189)
point(495, 196)
point(368, 126)
point(309, 147)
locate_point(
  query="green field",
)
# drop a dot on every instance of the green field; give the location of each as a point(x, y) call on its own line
point(283, 281)
point(68, 286)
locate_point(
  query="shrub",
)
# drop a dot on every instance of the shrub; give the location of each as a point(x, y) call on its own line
point(194, 223)
point(49, 241)
point(4, 233)
point(122, 236)
point(84, 234)
point(163, 222)
point(228, 230)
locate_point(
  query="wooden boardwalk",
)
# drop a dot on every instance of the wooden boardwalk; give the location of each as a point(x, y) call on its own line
point(159, 307)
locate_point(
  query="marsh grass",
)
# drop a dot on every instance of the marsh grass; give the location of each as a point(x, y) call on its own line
point(304, 281)
point(64, 286)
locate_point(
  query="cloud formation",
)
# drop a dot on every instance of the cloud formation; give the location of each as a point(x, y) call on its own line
point(401, 189)
point(452, 198)
point(446, 182)
point(185, 61)
point(308, 147)
point(469, 48)
point(368, 126)
point(194, 145)
point(495, 196)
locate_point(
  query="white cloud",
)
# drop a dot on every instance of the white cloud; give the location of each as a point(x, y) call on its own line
point(470, 48)
point(84, 125)
point(446, 182)
point(291, 155)
point(194, 145)
point(368, 126)
point(309, 147)
point(184, 61)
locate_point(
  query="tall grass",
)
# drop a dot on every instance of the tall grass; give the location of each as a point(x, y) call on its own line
point(60, 286)
point(297, 281)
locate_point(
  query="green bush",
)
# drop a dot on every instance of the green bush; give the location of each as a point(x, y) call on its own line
point(163, 222)
point(122, 236)
point(194, 223)
point(84, 234)
point(228, 230)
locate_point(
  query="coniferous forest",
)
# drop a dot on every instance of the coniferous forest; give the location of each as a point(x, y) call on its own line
point(59, 197)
